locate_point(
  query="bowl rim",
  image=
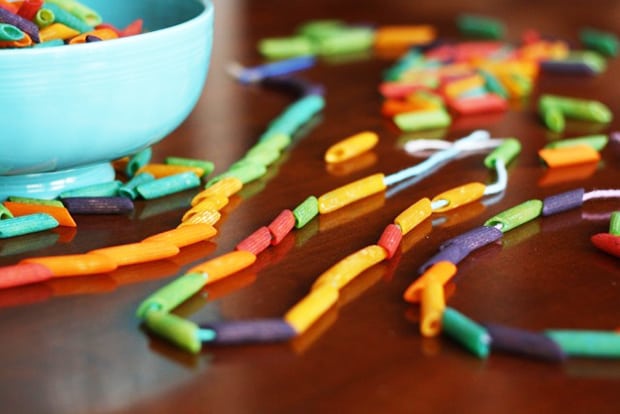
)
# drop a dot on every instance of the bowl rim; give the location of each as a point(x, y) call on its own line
point(31, 52)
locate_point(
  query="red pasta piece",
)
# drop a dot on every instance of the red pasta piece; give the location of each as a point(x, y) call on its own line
point(607, 243)
point(256, 242)
point(390, 239)
point(281, 226)
point(29, 8)
point(23, 274)
point(479, 105)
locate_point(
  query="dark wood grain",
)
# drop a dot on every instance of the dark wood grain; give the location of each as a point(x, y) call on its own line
point(74, 346)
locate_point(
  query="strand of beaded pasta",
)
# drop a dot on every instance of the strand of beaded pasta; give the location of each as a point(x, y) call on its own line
point(551, 345)
point(325, 290)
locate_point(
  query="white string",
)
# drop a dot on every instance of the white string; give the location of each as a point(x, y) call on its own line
point(502, 179)
point(437, 158)
point(596, 194)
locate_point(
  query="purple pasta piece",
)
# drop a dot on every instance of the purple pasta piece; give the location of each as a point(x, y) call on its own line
point(296, 86)
point(453, 253)
point(568, 67)
point(25, 25)
point(562, 202)
point(248, 331)
point(519, 341)
point(475, 238)
point(615, 136)
point(98, 205)
point(92, 38)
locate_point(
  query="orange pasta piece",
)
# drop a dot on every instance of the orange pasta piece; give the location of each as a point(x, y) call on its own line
point(225, 187)
point(23, 42)
point(398, 37)
point(347, 194)
point(414, 215)
point(75, 264)
point(440, 271)
point(164, 170)
point(460, 196)
point(340, 274)
point(13, 7)
point(224, 265)
point(184, 236)
point(103, 34)
point(351, 147)
point(61, 214)
point(564, 156)
point(133, 253)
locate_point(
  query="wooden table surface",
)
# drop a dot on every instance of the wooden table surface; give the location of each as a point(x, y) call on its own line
point(75, 346)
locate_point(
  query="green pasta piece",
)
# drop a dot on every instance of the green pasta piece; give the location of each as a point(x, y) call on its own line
point(5, 212)
point(245, 172)
point(346, 41)
point(182, 332)
point(467, 332)
point(306, 211)
point(480, 26)
point(422, 120)
point(605, 43)
point(207, 166)
point(30, 200)
point(584, 109)
point(173, 294)
point(285, 47)
point(614, 223)
point(506, 151)
point(516, 216)
point(596, 344)
point(597, 142)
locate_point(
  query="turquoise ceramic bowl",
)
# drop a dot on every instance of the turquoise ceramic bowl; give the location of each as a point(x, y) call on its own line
point(69, 110)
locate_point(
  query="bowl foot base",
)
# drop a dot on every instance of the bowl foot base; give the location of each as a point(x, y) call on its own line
point(50, 184)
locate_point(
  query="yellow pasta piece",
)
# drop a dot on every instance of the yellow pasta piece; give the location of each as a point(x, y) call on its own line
point(215, 202)
point(440, 271)
point(224, 265)
point(310, 308)
point(347, 194)
point(224, 187)
point(460, 196)
point(351, 266)
point(414, 215)
point(203, 217)
point(184, 236)
point(351, 147)
point(164, 170)
point(459, 86)
point(432, 306)
point(133, 253)
point(57, 31)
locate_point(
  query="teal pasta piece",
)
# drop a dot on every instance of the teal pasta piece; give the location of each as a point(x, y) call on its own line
point(30, 223)
point(168, 185)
